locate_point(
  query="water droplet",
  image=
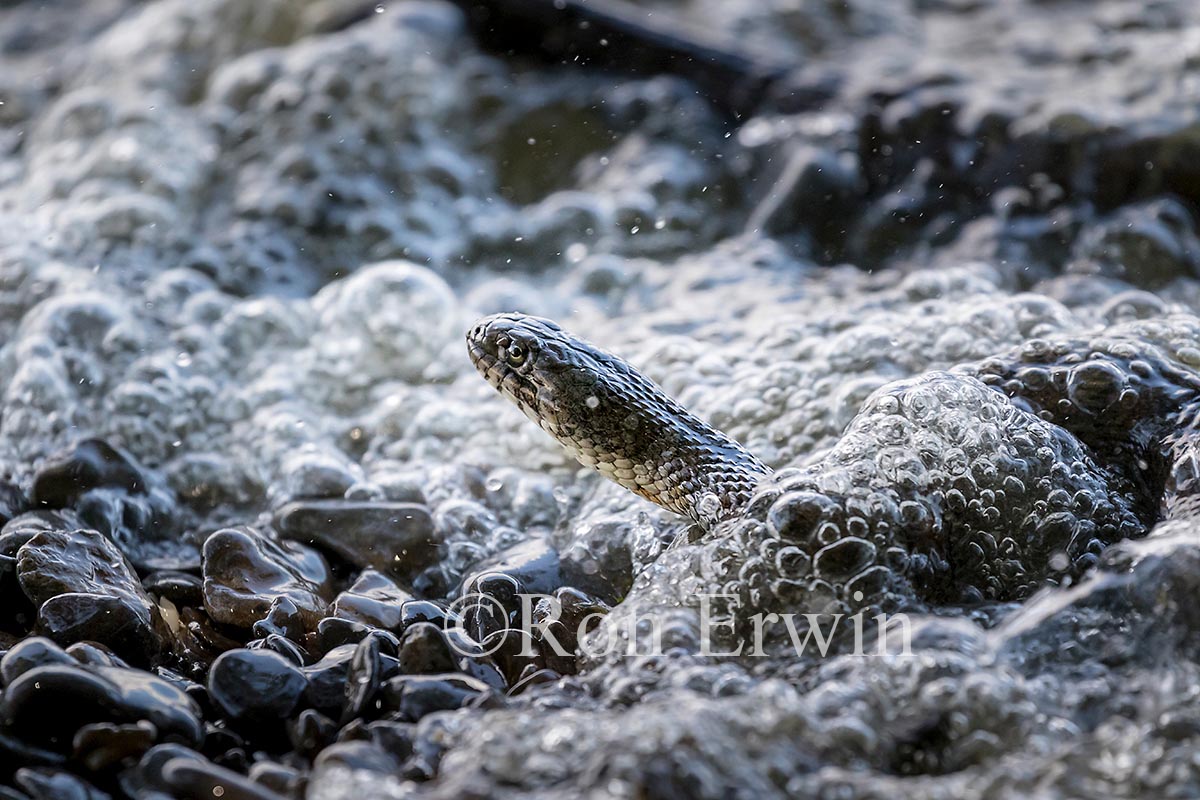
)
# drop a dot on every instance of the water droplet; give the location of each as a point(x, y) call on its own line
point(494, 484)
point(592, 402)
point(184, 359)
point(379, 9)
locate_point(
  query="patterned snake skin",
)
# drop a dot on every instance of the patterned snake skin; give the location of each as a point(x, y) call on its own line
point(614, 419)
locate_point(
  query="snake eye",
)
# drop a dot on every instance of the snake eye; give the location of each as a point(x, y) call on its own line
point(515, 355)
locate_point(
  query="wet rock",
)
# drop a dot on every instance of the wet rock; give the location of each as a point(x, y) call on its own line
point(181, 588)
point(326, 689)
point(47, 705)
point(192, 779)
point(284, 781)
point(366, 756)
point(311, 732)
point(85, 588)
point(414, 696)
point(31, 653)
point(424, 649)
point(373, 599)
point(1147, 244)
point(13, 502)
point(91, 464)
point(50, 784)
point(334, 631)
point(424, 611)
point(246, 574)
point(103, 745)
point(398, 538)
point(255, 686)
point(368, 669)
point(281, 645)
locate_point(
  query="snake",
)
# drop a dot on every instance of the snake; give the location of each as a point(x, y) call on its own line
point(614, 419)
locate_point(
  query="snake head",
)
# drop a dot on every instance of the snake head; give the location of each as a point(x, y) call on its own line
point(545, 371)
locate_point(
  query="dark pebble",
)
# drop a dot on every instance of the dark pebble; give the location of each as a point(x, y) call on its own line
point(102, 745)
point(398, 538)
point(92, 463)
point(13, 502)
point(357, 755)
point(52, 784)
point(278, 778)
point(181, 588)
point(72, 617)
point(281, 645)
point(36, 651)
point(327, 680)
point(311, 731)
point(255, 686)
point(424, 649)
point(85, 588)
point(373, 599)
point(193, 780)
point(367, 672)
point(245, 573)
point(47, 705)
point(414, 696)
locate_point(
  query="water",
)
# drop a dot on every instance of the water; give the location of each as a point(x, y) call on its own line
point(245, 249)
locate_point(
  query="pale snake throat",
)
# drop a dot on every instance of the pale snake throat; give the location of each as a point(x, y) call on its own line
point(614, 419)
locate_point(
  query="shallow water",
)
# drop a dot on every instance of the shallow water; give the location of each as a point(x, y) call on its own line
point(243, 247)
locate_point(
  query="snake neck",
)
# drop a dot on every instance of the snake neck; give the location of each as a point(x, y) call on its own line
point(672, 459)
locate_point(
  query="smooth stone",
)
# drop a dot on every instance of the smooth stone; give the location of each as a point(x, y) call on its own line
point(48, 704)
point(76, 617)
point(13, 502)
point(91, 464)
point(398, 538)
point(255, 685)
point(85, 588)
point(311, 731)
point(373, 599)
point(367, 672)
point(245, 573)
point(326, 690)
point(424, 650)
point(42, 783)
point(181, 588)
point(102, 745)
point(36, 651)
point(394, 737)
point(194, 780)
point(357, 755)
point(281, 645)
point(414, 696)
point(278, 778)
